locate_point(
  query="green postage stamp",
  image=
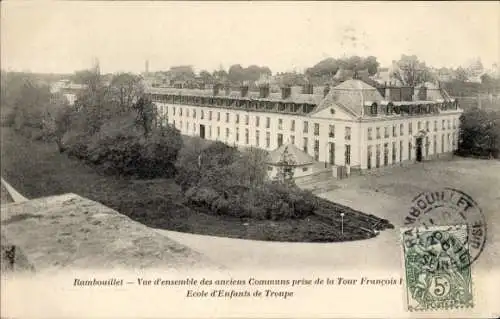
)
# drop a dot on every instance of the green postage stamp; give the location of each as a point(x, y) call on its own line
point(437, 268)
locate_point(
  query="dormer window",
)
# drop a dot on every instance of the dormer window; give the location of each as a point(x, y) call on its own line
point(374, 109)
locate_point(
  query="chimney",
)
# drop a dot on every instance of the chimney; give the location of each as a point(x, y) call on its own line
point(286, 91)
point(326, 90)
point(264, 91)
point(244, 90)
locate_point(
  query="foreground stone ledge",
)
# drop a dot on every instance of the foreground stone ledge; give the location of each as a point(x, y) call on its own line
point(72, 232)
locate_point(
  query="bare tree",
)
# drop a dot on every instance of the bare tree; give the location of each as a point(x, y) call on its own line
point(412, 72)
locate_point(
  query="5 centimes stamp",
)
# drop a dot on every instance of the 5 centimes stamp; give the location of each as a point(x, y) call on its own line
point(446, 207)
point(437, 267)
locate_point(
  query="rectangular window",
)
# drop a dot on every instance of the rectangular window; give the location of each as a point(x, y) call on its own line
point(257, 138)
point(369, 157)
point(454, 123)
point(409, 150)
point(187, 126)
point(348, 154)
point(435, 126)
point(419, 126)
point(280, 124)
point(246, 136)
point(227, 134)
point(442, 143)
point(400, 151)
point(180, 111)
point(246, 119)
point(378, 132)
point(194, 127)
point(316, 150)
point(227, 117)
point(173, 110)
point(194, 113)
point(306, 127)
point(257, 121)
point(237, 134)
point(347, 133)
point(370, 134)
point(331, 153)
point(280, 139)
point(394, 133)
point(292, 126)
point(394, 152)
point(386, 154)
point(442, 125)
point(401, 129)
point(449, 124)
point(209, 131)
point(410, 128)
point(268, 139)
point(218, 116)
point(386, 132)
point(304, 147)
point(331, 131)
point(292, 139)
point(202, 114)
point(237, 118)
point(218, 131)
point(377, 156)
point(316, 129)
point(427, 127)
point(209, 115)
point(268, 122)
point(434, 144)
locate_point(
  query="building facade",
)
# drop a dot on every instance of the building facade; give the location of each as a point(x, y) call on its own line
point(353, 124)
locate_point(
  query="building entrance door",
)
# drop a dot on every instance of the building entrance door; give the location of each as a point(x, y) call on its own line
point(202, 131)
point(419, 149)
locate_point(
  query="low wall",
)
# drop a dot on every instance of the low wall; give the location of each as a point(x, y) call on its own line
point(69, 231)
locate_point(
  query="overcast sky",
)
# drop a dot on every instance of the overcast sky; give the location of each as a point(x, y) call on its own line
point(46, 36)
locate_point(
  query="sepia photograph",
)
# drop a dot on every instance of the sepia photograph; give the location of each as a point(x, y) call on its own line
point(249, 159)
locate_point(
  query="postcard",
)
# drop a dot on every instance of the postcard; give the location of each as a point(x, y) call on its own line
point(236, 159)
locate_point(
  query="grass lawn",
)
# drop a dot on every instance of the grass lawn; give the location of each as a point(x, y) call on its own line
point(37, 169)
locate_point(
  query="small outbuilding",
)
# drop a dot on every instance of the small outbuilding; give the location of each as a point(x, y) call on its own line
point(289, 160)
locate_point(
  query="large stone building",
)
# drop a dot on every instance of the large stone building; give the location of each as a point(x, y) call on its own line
point(353, 126)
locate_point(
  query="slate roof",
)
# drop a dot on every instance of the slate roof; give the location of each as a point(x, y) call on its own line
point(352, 95)
point(296, 155)
point(296, 96)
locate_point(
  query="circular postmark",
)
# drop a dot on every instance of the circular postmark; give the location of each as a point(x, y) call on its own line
point(450, 207)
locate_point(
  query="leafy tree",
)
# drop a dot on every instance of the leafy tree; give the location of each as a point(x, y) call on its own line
point(206, 77)
point(461, 75)
point(285, 168)
point(146, 114)
point(479, 133)
point(411, 71)
point(57, 120)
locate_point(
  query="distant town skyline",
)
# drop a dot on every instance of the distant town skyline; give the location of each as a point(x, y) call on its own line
point(61, 37)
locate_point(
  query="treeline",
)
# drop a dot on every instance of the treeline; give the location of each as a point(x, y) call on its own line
point(112, 126)
point(479, 134)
